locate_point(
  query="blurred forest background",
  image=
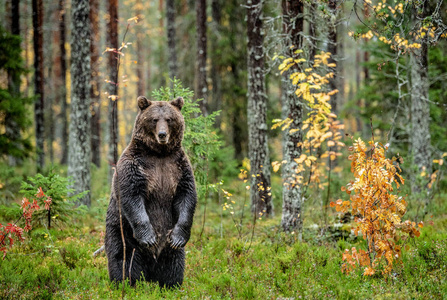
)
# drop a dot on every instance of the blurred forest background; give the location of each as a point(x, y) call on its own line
point(274, 92)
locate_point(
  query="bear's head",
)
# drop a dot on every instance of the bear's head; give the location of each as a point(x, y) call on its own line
point(159, 125)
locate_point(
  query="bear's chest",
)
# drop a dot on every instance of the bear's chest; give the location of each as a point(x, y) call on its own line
point(163, 176)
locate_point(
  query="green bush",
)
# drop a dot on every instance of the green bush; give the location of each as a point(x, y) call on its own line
point(63, 202)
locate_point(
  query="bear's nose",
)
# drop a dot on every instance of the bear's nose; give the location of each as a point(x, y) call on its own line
point(162, 134)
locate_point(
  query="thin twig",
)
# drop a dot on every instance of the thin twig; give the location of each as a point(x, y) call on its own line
point(130, 266)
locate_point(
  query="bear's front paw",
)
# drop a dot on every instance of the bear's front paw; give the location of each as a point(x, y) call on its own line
point(147, 238)
point(177, 238)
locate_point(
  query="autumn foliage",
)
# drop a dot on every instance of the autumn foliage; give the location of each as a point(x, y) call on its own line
point(12, 232)
point(377, 209)
point(321, 127)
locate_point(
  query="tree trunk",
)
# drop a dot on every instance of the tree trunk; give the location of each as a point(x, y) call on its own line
point(95, 95)
point(332, 48)
point(112, 42)
point(292, 194)
point(140, 51)
point(313, 29)
point(79, 156)
point(420, 110)
point(216, 80)
point(63, 88)
point(38, 82)
point(11, 126)
point(258, 152)
point(201, 82)
point(170, 29)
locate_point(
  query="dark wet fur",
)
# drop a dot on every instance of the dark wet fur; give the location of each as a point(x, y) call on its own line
point(158, 197)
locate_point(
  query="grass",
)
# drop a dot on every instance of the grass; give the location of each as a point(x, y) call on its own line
point(58, 264)
point(223, 262)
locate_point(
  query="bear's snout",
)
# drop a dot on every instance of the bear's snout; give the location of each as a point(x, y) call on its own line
point(162, 132)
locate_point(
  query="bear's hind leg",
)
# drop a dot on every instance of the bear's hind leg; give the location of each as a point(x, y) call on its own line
point(170, 267)
point(115, 266)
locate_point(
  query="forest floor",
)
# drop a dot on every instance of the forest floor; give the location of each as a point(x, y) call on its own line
point(224, 263)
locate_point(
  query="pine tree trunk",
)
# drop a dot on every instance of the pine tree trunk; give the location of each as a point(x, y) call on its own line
point(170, 29)
point(420, 140)
point(140, 51)
point(38, 82)
point(258, 152)
point(95, 94)
point(201, 82)
point(313, 29)
point(11, 127)
point(332, 48)
point(112, 42)
point(79, 156)
point(216, 102)
point(292, 193)
point(63, 88)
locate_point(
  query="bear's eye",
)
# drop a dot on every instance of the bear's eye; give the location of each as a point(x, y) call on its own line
point(154, 120)
point(168, 120)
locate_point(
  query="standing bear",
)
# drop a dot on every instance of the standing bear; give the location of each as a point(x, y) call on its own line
point(155, 184)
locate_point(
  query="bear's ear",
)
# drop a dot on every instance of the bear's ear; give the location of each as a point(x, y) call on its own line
point(178, 102)
point(143, 103)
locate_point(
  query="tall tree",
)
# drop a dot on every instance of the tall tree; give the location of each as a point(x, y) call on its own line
point(170, 29)
point(292, 13)
point(332, 48)
point(420, 106)
point(258, 151)
point(79, 156)
point(216, 81)
point(95, 86)
point(38, 81)
point(63, 83)
point(13, 78)
point(201, 82)
point(112, 42)
point(140, 51)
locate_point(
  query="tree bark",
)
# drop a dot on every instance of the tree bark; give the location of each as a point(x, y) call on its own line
point(332, 48)
point(258, 152)
point(420, 109)
point(140, 51)
point(201, 81)
point(313, 29)
point(11, 126)
point(79, 156)
point(112, 42)
point(170, 29)
point(38, 82)
point(95, 95)
point(216, 94)
point(292, 193)
point(63, 88)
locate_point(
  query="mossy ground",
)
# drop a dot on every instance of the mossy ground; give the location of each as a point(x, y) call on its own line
point(221, 264)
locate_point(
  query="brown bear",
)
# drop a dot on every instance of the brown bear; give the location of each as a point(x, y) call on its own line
point(155, 183)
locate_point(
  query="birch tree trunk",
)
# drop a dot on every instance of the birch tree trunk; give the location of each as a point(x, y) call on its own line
point(95, 86)
point(63, 88)
point(79, 156)
point(170, 29)
point(38, 81)
point(201, 82)
point(292, 193)
point(258, 152)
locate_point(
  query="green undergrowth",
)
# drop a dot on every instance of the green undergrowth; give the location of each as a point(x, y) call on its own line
point(223, 264)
